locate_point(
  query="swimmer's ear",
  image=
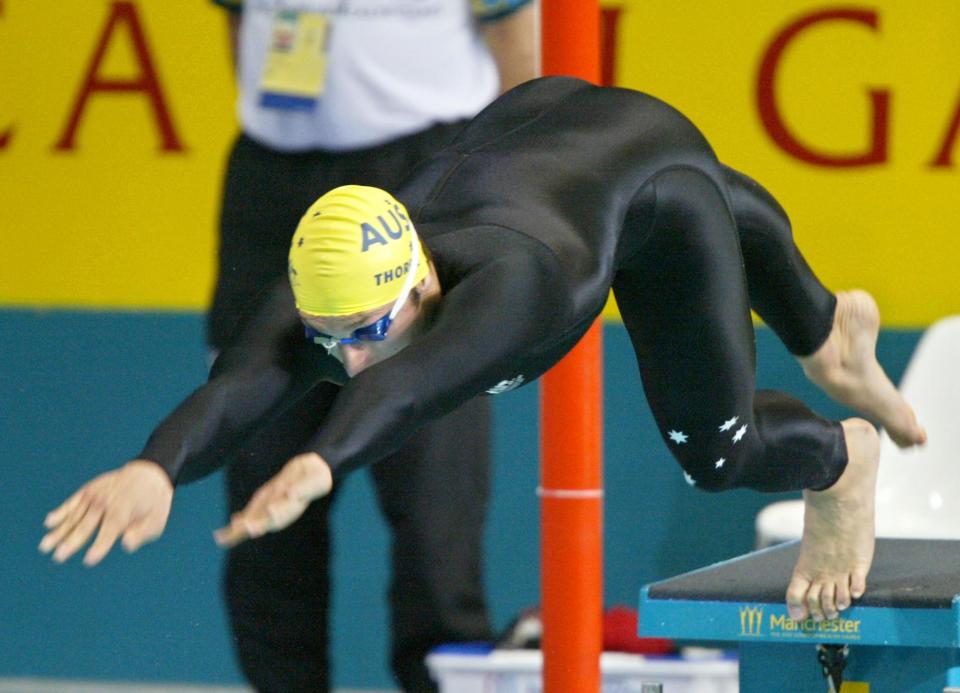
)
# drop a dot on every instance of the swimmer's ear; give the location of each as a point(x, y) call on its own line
point(425, 286)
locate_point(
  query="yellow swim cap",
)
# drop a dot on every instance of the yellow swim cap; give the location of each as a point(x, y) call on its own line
point(353, 251)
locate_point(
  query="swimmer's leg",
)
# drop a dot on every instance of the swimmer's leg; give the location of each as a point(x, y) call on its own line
point(833, 337)
point(684, 301)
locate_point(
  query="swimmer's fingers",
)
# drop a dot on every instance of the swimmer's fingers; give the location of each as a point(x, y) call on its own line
point(279, 502)
point(231, 535)
point(65, 518)
point(69, 522)
point(143, 531)
point(253, 520)
point(272, 508)
point(114, 523)
point(56, 516)
point(139, 493)
point(80, 532)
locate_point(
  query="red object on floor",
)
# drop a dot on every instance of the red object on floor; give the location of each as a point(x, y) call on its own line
point(620, 634)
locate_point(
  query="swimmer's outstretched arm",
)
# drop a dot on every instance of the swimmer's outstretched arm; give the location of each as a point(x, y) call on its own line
point(133, 501)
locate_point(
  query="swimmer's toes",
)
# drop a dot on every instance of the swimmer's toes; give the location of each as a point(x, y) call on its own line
point(797, 597)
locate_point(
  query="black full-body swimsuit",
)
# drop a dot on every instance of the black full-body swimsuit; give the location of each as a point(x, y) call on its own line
point(553, 195)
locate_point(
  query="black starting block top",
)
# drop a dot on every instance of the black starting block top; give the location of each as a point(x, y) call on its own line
point(911, 599)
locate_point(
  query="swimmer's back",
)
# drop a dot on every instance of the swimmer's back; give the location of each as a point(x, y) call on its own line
point(559, 160)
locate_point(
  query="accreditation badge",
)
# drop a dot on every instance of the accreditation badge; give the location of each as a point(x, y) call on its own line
point(295, 70)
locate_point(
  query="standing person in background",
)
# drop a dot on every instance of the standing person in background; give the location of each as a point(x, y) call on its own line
point(335, 92)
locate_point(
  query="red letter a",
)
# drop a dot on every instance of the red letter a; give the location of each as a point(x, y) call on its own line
point(147, 83)
point(942, 159)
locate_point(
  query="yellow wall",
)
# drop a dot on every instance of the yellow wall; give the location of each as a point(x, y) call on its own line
point(119, 222)
point(891, 228)
point(116, 221)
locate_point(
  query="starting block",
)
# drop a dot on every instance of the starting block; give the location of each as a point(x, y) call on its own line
point(902, 636)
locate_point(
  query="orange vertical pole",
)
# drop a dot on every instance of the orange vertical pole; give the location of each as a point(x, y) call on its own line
point(571, 483)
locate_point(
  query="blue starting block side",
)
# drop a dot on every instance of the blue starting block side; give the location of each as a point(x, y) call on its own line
point(903, 635)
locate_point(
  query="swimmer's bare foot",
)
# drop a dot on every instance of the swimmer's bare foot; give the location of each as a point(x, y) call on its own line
point(846, 368)
point(838, 532)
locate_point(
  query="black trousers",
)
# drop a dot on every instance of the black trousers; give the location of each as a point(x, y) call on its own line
point(433, 492)
point(685, 294)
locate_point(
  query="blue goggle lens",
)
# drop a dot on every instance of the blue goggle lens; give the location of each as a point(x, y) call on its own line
point(374, 332)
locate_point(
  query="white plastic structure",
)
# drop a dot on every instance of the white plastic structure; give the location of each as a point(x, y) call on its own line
point(519, 671)
point(918, 489)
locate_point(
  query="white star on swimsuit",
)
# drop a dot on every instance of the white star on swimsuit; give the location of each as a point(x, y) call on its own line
point(719, 463)
point(690, 479)
point(678, 437)
point(728, 424)
point(739, 434)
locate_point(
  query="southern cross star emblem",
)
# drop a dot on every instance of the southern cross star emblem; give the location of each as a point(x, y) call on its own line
point(678, 437)
point(728, 424)
point(740, 433)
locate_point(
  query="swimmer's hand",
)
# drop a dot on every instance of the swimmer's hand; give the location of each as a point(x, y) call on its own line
point(280, 501)
point(132, 501)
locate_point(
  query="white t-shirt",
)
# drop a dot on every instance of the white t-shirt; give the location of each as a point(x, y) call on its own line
point(394, 67)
